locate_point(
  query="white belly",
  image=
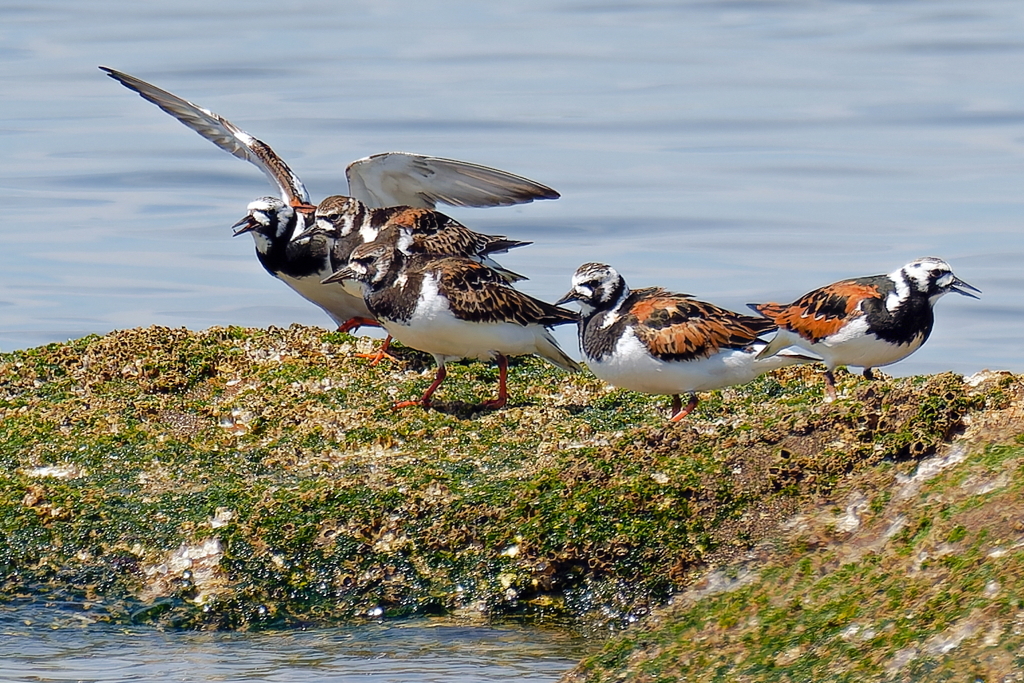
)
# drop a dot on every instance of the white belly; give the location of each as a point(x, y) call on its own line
point(332, 298)
point(630, 366)
point(853, 345)
point(434, 329)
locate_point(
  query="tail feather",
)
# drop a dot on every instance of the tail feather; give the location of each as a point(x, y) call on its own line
point(767, 360)
point(549, 350)
point(501, 245)
point(777, 344)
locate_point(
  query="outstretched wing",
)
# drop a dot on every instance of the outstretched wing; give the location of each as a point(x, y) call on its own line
point(222, 133)
point(677, 327)
point(394, 178)
point(478, 293)
point(823, 312)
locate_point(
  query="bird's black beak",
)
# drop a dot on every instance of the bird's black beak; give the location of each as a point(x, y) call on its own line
point(345, 273)
point(247, 224)
point(307, 233)
point(571, 296)
point(961, 287)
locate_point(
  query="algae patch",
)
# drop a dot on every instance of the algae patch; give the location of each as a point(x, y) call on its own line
point(904, 571)
point(236, 478)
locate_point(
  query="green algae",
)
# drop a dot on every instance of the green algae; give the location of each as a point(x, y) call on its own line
point(927, 584)
point(236, 478)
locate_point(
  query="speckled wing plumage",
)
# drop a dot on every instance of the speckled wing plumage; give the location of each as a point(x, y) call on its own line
point(433, 232)
point(478, 294)
point(395, 178)
point(678, 327)
point(823, 312)
point(222, 133)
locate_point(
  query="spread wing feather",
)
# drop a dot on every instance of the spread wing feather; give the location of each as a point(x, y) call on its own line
point(222, 133)
point(394, 178)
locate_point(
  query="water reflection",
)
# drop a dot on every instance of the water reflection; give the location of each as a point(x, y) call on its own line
point(36, 644)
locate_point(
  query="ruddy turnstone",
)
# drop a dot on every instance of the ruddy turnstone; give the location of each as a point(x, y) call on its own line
point(454, 307)
point(660, 342)
point(866, 322)
point(348, 223)
point(392, 178)
point(345, 223)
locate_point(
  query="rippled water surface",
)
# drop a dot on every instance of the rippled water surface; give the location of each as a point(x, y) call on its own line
point(740, 151)
point(35, 647)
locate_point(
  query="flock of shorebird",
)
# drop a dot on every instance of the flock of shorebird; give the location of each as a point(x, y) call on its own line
point(381, 255)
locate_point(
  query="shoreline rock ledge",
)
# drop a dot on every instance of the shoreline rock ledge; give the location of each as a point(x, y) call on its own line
point(254, 478)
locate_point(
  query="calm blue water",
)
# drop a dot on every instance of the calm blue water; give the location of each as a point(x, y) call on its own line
point(35, 646)
point(739, 151)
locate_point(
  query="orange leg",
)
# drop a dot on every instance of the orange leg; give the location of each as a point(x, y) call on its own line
point(424, 400)
point(357, 322)
point(502, 385)
point(381, 354)
point(678, 411)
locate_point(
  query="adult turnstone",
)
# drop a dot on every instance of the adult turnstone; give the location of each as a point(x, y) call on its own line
point(660, 342)
point(866, 322)
point(454, 307)
point(392, 178)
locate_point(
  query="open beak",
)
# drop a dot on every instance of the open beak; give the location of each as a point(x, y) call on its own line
point(245, 225)
point(961, 287)
point(345, 273)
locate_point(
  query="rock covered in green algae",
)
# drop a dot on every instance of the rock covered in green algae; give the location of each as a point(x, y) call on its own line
point(236, 478)
point(903, 574)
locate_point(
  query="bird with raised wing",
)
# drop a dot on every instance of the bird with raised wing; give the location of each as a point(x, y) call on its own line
point(380, 180)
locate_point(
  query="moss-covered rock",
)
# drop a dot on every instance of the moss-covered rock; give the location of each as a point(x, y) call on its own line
point(903, 572)
point(237, 478)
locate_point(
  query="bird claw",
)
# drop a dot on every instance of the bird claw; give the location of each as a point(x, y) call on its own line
point(377, 357)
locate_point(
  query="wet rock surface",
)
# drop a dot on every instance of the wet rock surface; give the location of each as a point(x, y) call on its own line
point(236, 478)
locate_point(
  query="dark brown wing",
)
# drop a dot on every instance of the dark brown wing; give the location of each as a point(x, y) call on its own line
point(479, 294)
point(677, 327)
point(436, 234)
point(823, 312)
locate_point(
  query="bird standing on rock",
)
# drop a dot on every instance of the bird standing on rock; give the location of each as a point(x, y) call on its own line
point(659, 342)
point(454, 307)
point(866, 322)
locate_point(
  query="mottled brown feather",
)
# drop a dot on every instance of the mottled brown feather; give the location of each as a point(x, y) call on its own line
point(822, 312)
point(675, 326)
point(477, 293)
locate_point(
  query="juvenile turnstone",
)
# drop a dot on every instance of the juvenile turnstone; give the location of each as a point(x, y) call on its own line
point(392, 178)
point(345, 223)
point(866, 322)
point(454, 307)
point(660, 342)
